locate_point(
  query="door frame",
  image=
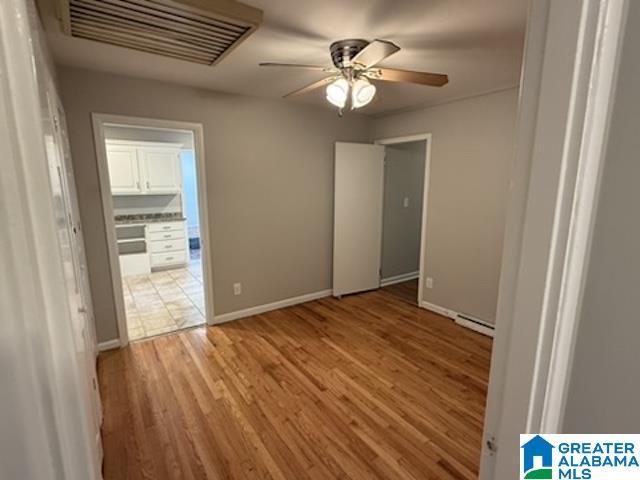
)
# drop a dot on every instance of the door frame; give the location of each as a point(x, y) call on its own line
point(426, 137)
point(98, 121)
point(567, 92)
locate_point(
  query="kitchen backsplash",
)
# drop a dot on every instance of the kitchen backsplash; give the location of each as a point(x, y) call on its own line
point(146, 204)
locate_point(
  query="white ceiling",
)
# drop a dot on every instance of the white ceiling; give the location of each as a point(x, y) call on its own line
point(478, 43)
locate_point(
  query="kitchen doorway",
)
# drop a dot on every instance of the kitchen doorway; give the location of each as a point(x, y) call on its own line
point(154, 198)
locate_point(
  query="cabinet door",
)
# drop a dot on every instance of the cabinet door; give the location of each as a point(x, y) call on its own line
point(124, 173)
point(161, 167)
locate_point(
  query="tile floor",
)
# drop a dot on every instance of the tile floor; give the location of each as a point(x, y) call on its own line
point(164, 301)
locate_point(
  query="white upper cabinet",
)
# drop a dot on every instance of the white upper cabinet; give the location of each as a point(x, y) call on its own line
point(140, 168)
point(124, 173)
point(162, 169)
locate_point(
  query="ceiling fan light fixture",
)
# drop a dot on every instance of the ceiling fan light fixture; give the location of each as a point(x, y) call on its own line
point(362, 93)
point(338, 92)
point(355, 64)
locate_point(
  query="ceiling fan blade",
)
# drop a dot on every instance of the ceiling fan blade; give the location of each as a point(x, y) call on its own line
point(409, 76)
point(374, 53)
point(313, 86)
point(296, 65)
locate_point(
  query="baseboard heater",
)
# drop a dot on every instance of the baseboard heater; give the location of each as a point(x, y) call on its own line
point(475, 324)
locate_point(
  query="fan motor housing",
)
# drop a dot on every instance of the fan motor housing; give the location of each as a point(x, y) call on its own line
point(343, 51)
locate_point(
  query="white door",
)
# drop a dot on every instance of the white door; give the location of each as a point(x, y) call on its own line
point(358, 197)
point(161, 168)
point(124, 173)
point(72, 250)
point(78, 250)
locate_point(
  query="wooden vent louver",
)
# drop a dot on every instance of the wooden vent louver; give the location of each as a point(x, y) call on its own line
point(200, 31)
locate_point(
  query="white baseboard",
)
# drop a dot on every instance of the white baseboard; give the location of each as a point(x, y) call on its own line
point(287, 302)
point(399, 278)
point(109, 345)
point(472, 324)
point(440, 310)
point(477, 326)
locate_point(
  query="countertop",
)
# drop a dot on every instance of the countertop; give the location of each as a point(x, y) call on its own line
point(148, 218)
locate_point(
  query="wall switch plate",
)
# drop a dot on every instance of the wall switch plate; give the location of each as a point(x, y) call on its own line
point(405, 202)
point(237, 288)
point(429, 282)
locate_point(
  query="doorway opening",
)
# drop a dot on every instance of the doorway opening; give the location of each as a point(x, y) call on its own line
point(379, 227)
point(152, 180)
point(403, 192)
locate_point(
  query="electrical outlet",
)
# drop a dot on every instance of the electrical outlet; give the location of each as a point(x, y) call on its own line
point(429, 282)
point(237, 288)
point(405, 203)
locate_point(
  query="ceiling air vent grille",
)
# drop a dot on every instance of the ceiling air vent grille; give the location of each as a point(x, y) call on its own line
point(200, 31)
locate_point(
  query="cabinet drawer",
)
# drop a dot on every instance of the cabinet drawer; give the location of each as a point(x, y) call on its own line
point(166, 235)
point(170, 258)
point(161, 246)
point(165, 227)
point(134, 264)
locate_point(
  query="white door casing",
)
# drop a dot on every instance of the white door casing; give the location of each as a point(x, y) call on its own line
point(99, 121)
point(568, 79)
point(425, 137)
point(358, 201)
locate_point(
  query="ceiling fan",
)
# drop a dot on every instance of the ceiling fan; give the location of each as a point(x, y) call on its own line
point(354, 66)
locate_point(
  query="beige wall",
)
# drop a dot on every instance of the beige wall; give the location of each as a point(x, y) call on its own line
point(118, 132)
point(270, 183)
point(403, 178)
point(604, 392)
point(472, 149)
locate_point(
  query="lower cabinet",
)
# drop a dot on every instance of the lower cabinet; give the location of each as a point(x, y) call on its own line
point(168, 244)
point(134, 264)
point(169, 258)
point(144, 247)
point(164, 246)
point(132, 249)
